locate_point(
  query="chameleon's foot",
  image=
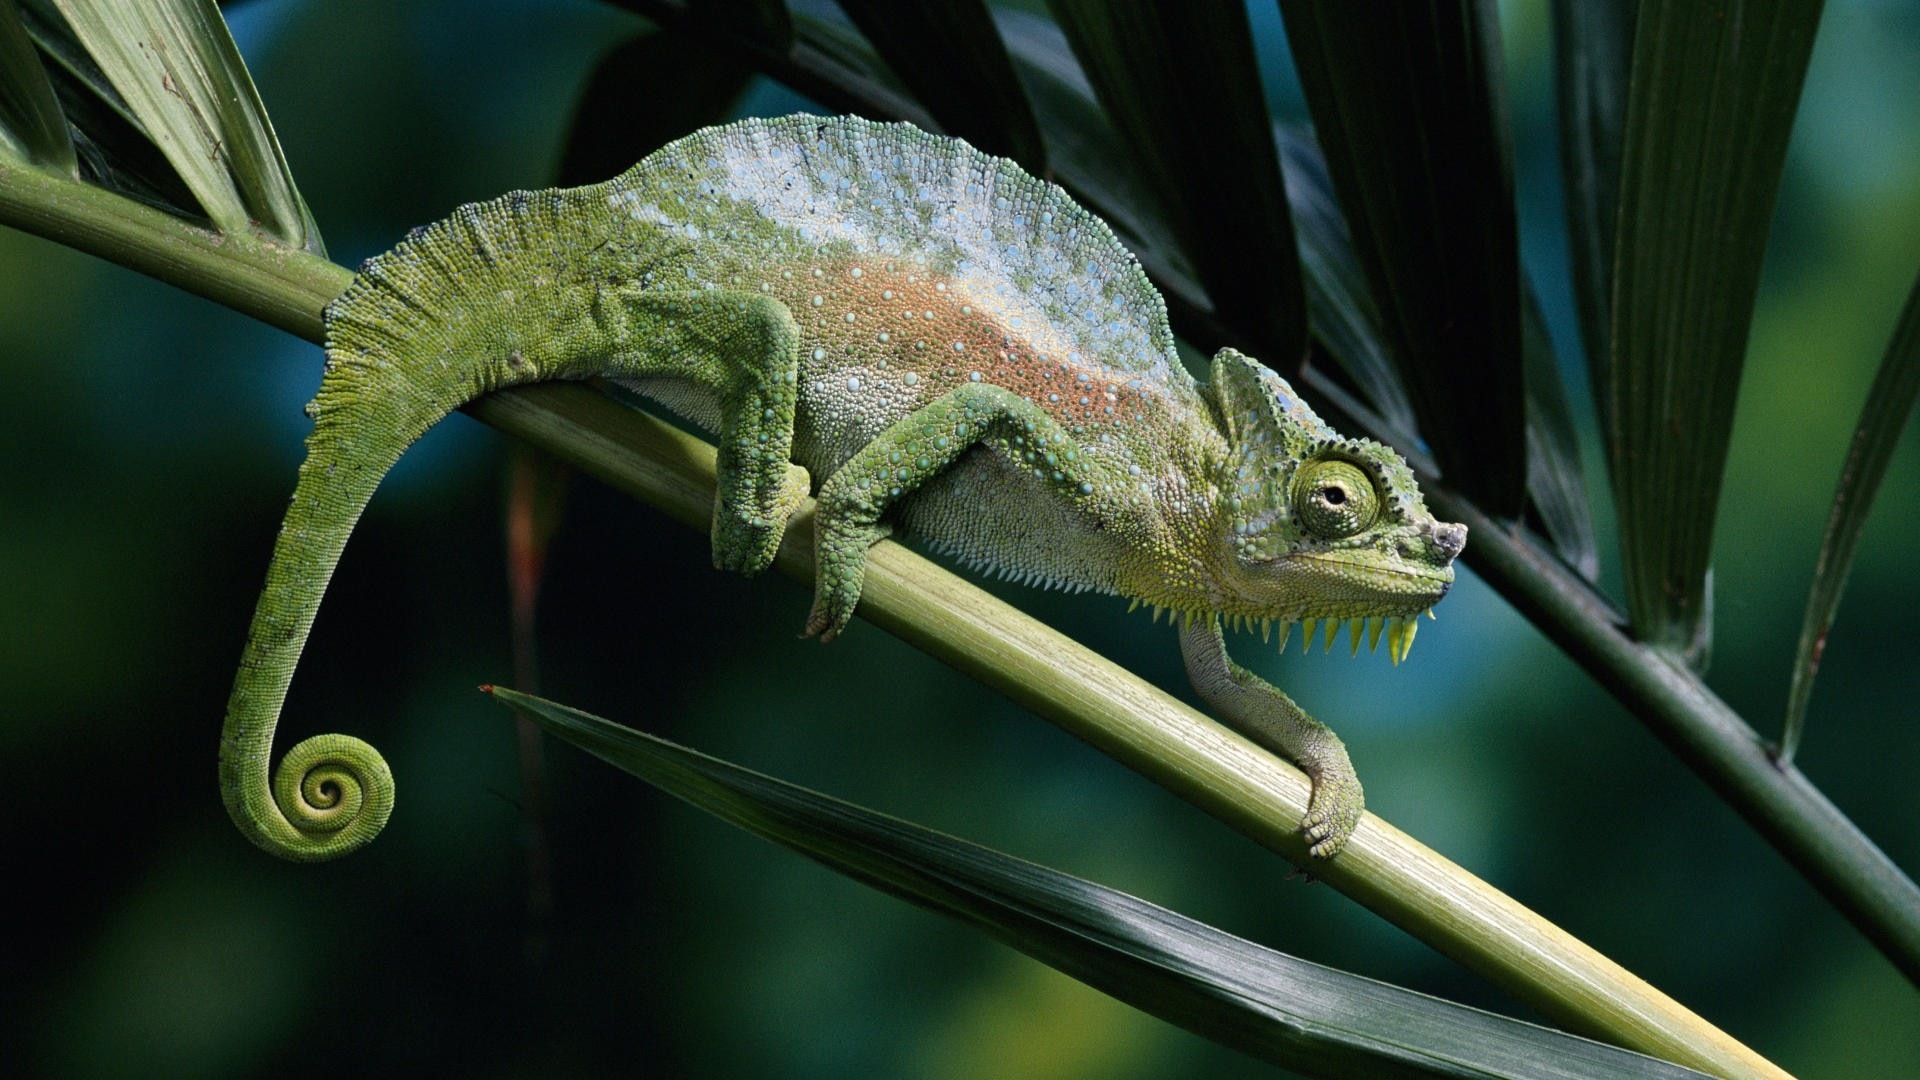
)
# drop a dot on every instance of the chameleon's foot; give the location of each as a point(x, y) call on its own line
point(840, 550)
point(834, 601)
point(747, 544)
point(822, 625)
point(1333, 811)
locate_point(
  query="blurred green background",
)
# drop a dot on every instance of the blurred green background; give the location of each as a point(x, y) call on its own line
point(148, 441)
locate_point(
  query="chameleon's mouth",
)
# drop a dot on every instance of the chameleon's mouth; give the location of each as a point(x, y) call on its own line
point(1371, 600)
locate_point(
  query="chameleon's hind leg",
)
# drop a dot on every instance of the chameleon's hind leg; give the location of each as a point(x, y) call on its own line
point(743, 349)
point(908, 454)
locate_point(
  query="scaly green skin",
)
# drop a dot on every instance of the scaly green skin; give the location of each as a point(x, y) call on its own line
point(952, 346)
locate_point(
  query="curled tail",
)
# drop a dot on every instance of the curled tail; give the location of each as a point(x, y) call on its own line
point(471, 304)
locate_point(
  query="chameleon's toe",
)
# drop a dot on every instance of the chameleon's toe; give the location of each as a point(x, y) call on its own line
point(746, 544)
point(841, 542)
point(746, 547)
point(824, 624)
point(835, 594)
point(1333, 812)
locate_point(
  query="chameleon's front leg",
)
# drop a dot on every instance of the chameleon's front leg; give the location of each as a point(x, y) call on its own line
point(1261, 712)
point(905, 456)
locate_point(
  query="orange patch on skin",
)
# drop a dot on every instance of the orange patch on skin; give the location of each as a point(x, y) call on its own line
point(888, 313)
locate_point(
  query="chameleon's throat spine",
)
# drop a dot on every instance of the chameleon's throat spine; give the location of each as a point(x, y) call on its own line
point(418, 334)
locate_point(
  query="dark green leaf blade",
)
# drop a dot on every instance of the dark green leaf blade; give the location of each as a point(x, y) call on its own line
point(175, 68)
point(1407, 106)
point(951, 56)
point(1181, 87)
point(1592, 45)
point(760, 26)
point(644, 94)
point(1088, 156)
point(1276, 1007)
point(1712, 96)
point(33, 131)
point(768, 24)
point(1342, 310)
point(1556, 484)
point(1889, 407)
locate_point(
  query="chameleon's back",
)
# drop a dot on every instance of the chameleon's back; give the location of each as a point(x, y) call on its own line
point(913, 265)
point(758, 198)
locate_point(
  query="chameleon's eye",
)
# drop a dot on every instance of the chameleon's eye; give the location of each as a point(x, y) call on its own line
point(1335, 499)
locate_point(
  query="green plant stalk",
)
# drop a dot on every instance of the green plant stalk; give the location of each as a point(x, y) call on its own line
point(959, 623)
point(247, 272)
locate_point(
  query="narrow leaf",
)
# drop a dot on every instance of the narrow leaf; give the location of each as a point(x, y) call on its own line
point(1181, 87)
point(1087, 155)
point(33, 131)
point(1407, 106)
point(1342, 311)
point(113, 149)
point(951, 57)
point(1281, 1009)
point(1556, 484)
point(1889, 406)
point(1711, 101)
point(1592, 45)
point(644, 94)
point(766, 23)
point(175, 67)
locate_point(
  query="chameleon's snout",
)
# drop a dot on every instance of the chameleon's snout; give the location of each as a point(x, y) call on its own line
point(1448, 539)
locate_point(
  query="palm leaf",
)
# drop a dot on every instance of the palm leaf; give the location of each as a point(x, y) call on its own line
point(157, 105)
point(175, 66)
point(644, 94)
point(1556, 484)
point(1283, 1010)
point(1592, 45)
point(1435, 231)
point(1889, 405)
point(1711, 98)
point(1215, 170)
point(1344, 317)
point(950, 56)
point(33, 131)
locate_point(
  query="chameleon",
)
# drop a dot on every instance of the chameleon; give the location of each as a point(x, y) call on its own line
point(947, 345)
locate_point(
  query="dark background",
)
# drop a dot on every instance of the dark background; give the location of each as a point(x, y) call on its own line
point(148, 441)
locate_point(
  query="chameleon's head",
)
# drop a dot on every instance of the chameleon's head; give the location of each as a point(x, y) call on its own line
point(1317, 526)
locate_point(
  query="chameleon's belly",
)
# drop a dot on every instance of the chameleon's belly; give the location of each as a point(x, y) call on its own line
point(988, 510)
point(995, 517)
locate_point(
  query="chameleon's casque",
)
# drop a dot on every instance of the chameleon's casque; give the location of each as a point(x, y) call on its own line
point(941, 341)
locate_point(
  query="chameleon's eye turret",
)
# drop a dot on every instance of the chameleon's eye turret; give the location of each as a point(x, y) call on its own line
point(1335, 499)
point(1315, 525)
